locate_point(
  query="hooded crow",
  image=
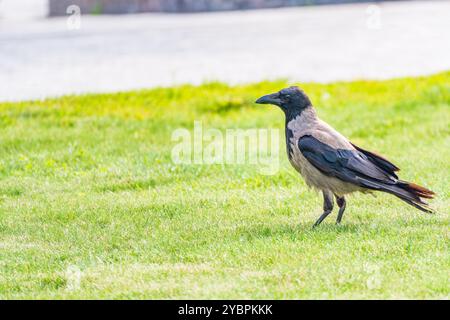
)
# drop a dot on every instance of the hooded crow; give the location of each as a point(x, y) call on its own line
point(329, 162)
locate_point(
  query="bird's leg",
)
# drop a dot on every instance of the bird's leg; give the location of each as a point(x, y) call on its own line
point(341, 203)
point(327, 207)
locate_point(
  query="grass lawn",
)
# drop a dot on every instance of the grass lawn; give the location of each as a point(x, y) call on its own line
point(92, 206)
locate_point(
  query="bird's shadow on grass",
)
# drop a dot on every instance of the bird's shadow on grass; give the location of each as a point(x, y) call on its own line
point(299, 231)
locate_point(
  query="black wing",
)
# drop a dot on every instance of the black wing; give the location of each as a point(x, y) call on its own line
point(348, 165)
point(362, 168)
point(380, 161)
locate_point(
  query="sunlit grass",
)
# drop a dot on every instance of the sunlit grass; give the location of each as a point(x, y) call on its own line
point(88, 192)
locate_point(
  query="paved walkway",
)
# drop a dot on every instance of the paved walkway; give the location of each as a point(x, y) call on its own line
point(41, 58)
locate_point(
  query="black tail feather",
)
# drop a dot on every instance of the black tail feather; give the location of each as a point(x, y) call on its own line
point(411, 194)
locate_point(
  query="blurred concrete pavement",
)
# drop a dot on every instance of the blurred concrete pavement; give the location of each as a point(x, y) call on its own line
point(49, 57)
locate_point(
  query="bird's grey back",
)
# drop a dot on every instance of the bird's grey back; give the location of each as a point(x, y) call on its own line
point(309, 124)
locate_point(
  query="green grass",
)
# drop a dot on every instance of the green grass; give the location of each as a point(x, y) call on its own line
point(87, 187)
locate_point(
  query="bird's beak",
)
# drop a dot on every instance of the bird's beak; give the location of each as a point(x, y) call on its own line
point(273, 98)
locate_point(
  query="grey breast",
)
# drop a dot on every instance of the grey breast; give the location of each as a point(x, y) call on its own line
point(308, 123)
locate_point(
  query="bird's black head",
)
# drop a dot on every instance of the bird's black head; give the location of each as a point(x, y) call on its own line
point(291, 100)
